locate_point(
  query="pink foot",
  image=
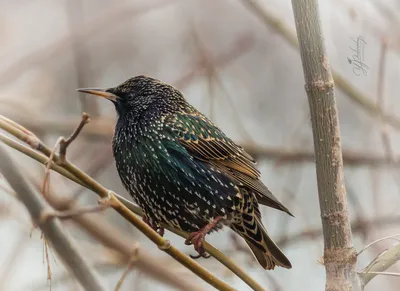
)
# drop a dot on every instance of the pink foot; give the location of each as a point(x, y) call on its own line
point(196, 238)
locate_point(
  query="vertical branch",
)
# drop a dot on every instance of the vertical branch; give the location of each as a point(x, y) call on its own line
point(339, 254)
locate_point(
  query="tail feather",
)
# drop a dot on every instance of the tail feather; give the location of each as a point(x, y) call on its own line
point(263, 247)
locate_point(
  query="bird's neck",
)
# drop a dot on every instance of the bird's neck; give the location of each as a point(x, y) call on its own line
point(132, 129)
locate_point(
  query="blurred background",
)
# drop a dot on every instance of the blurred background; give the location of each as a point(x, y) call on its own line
point(235, 61)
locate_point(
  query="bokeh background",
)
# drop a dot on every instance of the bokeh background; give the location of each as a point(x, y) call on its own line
point(235, 62)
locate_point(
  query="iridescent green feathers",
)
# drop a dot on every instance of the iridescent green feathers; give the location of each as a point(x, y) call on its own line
point(182, 170)
point(207, 142)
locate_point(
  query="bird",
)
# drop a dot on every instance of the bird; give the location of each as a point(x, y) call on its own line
point(185, 172)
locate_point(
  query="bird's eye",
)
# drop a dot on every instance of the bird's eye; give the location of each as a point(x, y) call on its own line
point(131, 97)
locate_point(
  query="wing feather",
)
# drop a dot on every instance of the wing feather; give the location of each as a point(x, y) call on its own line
point(205, 141)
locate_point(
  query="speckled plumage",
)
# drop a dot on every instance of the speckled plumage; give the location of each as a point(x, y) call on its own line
point(182, 170)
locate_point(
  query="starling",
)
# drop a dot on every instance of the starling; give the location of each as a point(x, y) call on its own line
point(183, 171)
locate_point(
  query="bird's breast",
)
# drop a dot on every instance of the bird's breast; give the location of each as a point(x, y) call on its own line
point(167, 182)
point(140, 160)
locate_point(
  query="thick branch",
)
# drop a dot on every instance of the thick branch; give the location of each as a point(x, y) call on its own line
point(339, 253)
point(52, 228)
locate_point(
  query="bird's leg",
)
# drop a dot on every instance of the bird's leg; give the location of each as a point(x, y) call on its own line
point(196, 238)
point(160, 230)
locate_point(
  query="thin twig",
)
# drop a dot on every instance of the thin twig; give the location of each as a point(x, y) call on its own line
point(37, 156)
point(132, 261)
point(46, 254)
point(378, 240)
point(125, 212)
point(112, 238)
point(52, 229)
point(98, 128)
point(46, 180)
point(380, 264)
point(64, 143)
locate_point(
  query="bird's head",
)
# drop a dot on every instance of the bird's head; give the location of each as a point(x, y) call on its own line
point(141, 94)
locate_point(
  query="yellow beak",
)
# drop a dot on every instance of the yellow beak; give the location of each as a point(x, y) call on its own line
point(99, 92)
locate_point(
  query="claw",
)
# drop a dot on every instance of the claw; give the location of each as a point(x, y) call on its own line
point(197, 238)
point(204, 255)
point(195, 257)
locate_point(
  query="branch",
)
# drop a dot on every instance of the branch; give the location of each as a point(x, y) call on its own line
point(104, 193)
point(53, 228)
point(64, 143)
point(381, 263)
point(108, 235)
point(99, 128)
point(112, 238)
point(339, 254)
point(270, 20)
point(124, 207)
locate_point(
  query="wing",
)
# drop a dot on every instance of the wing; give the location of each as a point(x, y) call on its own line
point(205, 141)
